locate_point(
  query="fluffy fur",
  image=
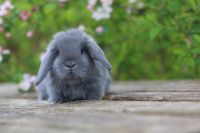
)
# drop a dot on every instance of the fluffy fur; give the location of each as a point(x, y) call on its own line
point(74, 68)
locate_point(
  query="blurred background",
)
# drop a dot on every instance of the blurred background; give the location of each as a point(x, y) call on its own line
point(143, 39)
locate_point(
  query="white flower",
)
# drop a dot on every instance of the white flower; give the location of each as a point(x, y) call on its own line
point(92, 2)
point(132, 1)
point(107, 2)
point(107, 8)
point(33, 78)
point(3, 52)
point(27, 82)
point(81, 27)
point(26, 76)
point(25, 85)
point(6, 51)
point(140, 5)
point(129, 10)
point(3, 12)
point(42, 55)
point(1, 21)
point(102, 13)
point(1, 58)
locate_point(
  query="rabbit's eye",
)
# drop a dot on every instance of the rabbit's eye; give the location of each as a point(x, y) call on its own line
point(82, 51)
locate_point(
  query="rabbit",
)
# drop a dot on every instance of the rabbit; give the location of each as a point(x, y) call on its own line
point(74, 68)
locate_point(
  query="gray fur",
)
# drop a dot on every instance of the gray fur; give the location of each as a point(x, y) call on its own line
point(74, 68)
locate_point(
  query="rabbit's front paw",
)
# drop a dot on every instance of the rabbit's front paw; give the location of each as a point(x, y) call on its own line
point(55, 100)
point(94, 97)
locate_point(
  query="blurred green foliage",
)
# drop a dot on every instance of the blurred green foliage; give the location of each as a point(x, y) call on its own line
point(159, 41)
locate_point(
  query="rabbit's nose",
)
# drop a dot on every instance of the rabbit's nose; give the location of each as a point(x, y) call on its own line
point(70, 64)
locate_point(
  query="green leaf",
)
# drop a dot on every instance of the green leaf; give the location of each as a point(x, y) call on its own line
point(154, 33)
point(192, 3)
point(196, 50)
point(197, 38)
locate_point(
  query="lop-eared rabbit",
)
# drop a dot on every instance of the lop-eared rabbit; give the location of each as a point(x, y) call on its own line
point(74, 68)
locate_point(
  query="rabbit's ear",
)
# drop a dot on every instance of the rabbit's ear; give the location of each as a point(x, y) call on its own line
point(46, 64)
point(96, 53)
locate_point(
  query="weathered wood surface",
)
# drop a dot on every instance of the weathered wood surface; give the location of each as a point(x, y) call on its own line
point(156, 91)
point(140, 107)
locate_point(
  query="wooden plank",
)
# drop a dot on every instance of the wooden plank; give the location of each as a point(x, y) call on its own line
point(19, 115)
point(157, 86)
point(154, 96)
point(139, 91)
point(8, 90)
point(131, 107)
point(22, 106)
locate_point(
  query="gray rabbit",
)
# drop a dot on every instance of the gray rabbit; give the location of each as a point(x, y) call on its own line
point(74, 68)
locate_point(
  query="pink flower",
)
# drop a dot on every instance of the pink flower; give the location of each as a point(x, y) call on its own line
point(7, 5)
point(29, 34)
point(90, 7)
point(1, 28)
point(99, 29)
point(62, 0)
point(8, 35)
point(24, 15)
point(3, 12)
point(62, 3)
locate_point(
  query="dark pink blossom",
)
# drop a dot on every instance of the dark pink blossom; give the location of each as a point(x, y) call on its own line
point(24, 15)
point(34, 9)
point(61, 3)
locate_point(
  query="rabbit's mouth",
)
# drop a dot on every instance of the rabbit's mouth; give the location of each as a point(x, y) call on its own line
point(69, 75)
point(72, 76)
point(73, 79)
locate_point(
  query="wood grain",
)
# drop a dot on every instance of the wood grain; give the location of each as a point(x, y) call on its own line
point(140, 107)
